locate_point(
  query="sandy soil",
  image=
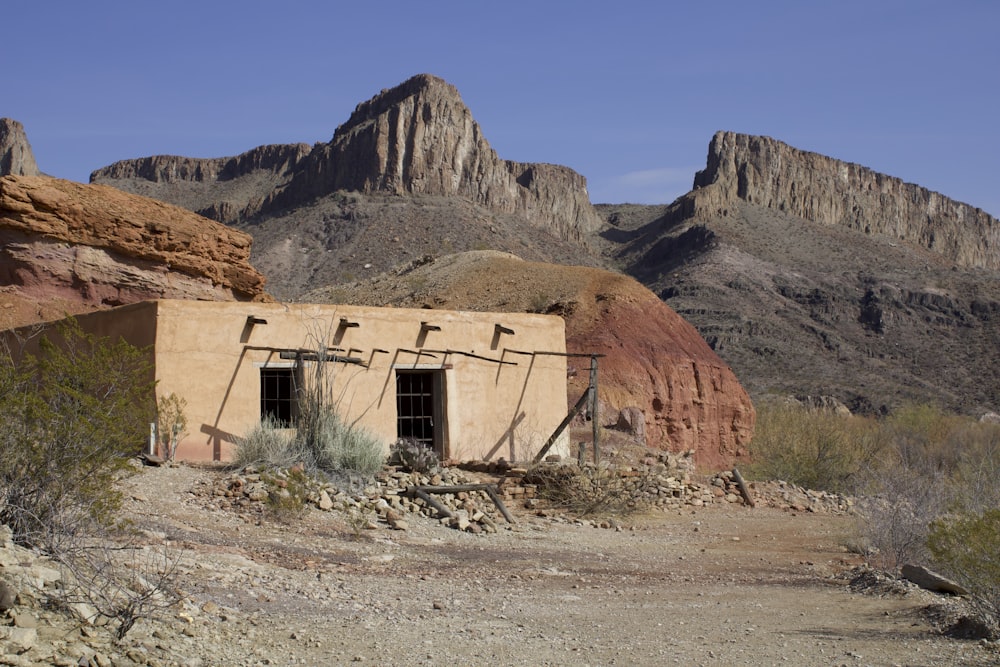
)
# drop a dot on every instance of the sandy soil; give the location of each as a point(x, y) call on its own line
point(708, 586)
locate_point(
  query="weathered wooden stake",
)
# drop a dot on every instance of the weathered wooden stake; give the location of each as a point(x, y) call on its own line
point(744, 489)
point(593, 408)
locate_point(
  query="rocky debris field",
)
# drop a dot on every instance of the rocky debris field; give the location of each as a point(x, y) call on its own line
point(263, 584)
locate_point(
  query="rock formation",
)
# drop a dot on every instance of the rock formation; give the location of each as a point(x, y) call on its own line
point(15, 152)
point(417, 138)
point(773, 175)
point(89, 246)
point(653, 359)
point(812, 276)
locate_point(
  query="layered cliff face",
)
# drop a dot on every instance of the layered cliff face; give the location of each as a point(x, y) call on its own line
point(812, 276)
point(653, 360)
point(15, 152)
point(773, 175)
point(418, 138)
point(91, 246)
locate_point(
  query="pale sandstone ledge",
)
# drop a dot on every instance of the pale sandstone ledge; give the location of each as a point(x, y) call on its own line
point(769, 173)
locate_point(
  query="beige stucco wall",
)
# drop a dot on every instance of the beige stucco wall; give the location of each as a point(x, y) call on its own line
point(207, 353)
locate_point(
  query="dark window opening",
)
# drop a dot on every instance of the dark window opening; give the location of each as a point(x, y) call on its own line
point(416, 409)
point(277, 395)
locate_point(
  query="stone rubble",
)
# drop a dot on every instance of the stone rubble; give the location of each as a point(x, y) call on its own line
point(664, 481)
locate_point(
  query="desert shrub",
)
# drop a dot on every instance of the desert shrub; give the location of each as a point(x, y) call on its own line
point(413, 455)
point(813, 448)
point(594, 490)
point(289, 493)
point(321, 438)
point(967, 548)
point(122, 581)
point(268, 443)
point(935, 463)
point(171, 423)
point(895, 511)
point(72, 417)
point(977, 472)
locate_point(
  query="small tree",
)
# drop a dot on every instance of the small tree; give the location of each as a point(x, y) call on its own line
point(171, 423)
point(72, 416)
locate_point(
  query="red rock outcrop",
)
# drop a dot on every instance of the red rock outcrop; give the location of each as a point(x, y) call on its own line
point(769, 173)
point(653, 359)
point(417, 138)
point(88, 246)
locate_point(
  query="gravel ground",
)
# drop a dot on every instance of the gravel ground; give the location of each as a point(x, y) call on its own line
point(720, 585)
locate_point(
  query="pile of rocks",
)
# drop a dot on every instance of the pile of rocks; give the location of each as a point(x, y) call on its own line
point(663, 481)
point(386, 500)
point(790, 497)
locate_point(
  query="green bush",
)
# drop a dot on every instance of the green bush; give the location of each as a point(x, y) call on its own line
point(812, 448)
point(72, 417)
point(967, 548)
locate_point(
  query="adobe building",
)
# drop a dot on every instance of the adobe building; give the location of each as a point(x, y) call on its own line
point(474, 386)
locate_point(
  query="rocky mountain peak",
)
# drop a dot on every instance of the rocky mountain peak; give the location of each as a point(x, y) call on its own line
point(418, 138)
point(776, 176)
point(15, 152)
point(420, 86)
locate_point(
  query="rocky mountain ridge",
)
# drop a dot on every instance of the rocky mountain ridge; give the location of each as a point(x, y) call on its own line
point(776, 176)
point(418, 138)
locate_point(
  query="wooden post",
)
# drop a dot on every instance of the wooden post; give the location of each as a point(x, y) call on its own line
point(562, 426)
point(593, 408)
point(744, 489)
point(581, 454)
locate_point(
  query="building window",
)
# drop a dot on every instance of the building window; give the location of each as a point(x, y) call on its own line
point(277, 395)
point(418, 411)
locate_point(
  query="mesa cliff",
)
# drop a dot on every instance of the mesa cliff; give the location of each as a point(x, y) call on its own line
point(776, 176)
point(418, 138)
point(16, 156)
point(816, 277)
point(79, 247)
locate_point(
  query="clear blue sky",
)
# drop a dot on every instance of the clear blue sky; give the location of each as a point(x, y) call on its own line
point(627, 93)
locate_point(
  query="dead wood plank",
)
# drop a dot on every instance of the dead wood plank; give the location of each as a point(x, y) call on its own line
point(495, 497)
point(562, 426)
point(426, 497)
point(424, 491)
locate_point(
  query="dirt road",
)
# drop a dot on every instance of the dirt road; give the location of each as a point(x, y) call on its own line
point(709, 586)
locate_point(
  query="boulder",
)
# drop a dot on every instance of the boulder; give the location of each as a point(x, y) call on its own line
point(930, 580)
